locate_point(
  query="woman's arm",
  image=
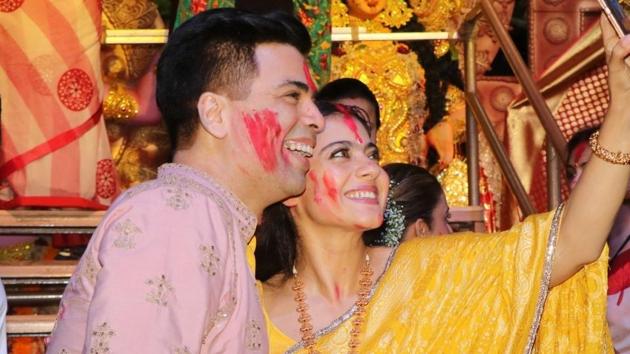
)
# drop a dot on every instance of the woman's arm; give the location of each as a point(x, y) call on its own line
point(593, 204)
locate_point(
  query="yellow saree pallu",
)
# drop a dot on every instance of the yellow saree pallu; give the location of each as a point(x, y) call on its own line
point(477, 293)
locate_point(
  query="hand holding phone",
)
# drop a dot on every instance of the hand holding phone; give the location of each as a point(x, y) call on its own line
point(617, 16)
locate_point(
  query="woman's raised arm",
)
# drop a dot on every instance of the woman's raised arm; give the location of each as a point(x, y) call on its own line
point(593, 204)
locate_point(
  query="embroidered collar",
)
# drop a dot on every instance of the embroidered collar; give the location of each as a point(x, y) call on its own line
point(245, 218)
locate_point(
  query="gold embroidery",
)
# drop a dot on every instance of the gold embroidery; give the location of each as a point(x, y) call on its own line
point(127, 232)
point(220, 316)
point(170, 174)
point(209, 260)
point(100, 339)
point(177, 198)
point(160, 290)
point(183, 350)
point(253, 335)
point(89, 268)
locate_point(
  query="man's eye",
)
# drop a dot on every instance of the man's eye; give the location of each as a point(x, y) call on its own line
point(294, 95)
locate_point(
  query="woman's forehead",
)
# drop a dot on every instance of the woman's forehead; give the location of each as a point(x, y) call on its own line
point(340, 128)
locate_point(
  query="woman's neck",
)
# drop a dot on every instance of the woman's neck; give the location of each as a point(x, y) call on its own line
point(329, 262)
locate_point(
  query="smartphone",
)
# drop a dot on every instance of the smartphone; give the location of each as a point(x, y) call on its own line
point(617, 16)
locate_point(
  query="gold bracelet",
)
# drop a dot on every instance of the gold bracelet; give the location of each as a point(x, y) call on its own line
point(617, 158)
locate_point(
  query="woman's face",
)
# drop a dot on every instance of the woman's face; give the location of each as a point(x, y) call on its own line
point(345, 186)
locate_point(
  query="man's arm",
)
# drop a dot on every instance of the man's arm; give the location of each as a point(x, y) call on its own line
point(149, 280)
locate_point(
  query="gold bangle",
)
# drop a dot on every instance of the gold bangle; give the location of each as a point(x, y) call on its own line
point(617, 158)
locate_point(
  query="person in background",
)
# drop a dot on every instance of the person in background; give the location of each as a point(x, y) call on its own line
point(352, 92)
point(416, 207)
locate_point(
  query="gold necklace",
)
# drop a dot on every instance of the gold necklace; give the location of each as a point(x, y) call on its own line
point(304, 318)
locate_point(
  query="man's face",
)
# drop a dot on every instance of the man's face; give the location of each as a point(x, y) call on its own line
point(367, 107)
point(276, 125)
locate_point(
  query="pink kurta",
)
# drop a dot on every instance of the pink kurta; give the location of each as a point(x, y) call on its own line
point(165, 272)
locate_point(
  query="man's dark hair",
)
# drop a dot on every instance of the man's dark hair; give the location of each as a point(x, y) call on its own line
point(349, 88)
point(214, 51)
point(577, 139)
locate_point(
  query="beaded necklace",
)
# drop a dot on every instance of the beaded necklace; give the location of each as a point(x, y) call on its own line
point(304, 318)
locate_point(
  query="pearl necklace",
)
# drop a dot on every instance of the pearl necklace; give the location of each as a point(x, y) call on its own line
point(304, 318)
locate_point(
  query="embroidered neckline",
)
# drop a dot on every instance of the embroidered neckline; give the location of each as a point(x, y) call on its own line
point(244, 216)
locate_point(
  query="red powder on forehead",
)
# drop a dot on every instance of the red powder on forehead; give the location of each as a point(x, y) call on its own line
point(349, 122)
point(331, 191)
point(264, 133)
point(313, 178)
point(309, 78)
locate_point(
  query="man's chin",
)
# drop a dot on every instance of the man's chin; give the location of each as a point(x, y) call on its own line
point(294, 185)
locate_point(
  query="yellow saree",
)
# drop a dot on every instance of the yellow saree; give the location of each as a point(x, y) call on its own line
point(477, 293)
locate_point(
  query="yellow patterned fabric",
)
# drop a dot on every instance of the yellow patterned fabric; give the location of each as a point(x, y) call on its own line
point(478, 293)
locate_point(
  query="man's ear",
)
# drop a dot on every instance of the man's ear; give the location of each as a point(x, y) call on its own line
point(211, 108)
point(291, 202)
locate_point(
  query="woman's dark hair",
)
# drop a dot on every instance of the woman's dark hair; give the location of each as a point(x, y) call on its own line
point(349, 88)
point(415, 190)
point(276, 235)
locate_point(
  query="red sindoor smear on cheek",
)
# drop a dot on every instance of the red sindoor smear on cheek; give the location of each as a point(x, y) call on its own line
point(264, 133)
point(331, 191)
point(309, 78)
point(313, 178)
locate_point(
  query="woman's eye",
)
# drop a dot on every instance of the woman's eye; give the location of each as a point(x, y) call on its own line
point(374, 155)
point(341, 153)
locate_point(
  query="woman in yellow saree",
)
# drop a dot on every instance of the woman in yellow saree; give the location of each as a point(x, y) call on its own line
point(539, 287)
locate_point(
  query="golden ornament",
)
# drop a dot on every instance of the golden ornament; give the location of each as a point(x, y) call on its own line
point(366, 9)
point(396, 80)
point(454, 181)
point(119, 104)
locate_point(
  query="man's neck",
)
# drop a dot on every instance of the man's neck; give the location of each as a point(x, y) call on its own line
point(223, 172)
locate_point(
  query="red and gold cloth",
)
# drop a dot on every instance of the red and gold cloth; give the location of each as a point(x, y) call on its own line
point(55, 151)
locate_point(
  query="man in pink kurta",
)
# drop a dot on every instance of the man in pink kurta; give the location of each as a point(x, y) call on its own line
point(166, 270)
point(193, 294)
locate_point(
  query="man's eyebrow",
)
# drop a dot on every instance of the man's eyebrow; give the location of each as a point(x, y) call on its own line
point(299, 84)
